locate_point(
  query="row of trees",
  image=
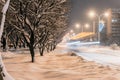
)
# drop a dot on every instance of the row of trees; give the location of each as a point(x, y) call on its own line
point(37, 23)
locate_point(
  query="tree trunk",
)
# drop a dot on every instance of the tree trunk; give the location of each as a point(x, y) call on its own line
point(32, 53)
point(16, 42)
point(41, 51)
point(4, 10)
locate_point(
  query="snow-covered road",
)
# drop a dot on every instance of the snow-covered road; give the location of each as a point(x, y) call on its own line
point(102, 55)
point(106, 59)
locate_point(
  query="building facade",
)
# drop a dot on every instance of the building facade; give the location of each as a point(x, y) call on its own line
point(113, 26)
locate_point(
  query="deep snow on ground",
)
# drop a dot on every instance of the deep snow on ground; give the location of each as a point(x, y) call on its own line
point(4, 73)
point(60, 66)
point(56, 66)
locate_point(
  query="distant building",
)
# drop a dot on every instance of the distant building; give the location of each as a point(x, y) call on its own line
point(113, 26)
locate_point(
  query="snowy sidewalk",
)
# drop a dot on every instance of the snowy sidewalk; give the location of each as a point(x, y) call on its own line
point(56, 66)
point(4, 71)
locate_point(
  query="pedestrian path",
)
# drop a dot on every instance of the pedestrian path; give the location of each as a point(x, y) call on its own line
point(6, 75)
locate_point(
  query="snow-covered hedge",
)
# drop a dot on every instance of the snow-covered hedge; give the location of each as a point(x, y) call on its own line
point(114, 46)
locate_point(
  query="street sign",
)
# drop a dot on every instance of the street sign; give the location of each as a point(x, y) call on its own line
point(101, 26)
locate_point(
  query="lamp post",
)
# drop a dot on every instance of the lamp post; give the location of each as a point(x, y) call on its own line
point(94, 27)
point(87, 25)
point(79, 26)
point(99, 27)
point(71, 31)
point(106, 14)
point(93, 14)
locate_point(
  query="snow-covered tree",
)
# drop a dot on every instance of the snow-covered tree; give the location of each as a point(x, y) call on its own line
point(4, 10)
point(40, 23)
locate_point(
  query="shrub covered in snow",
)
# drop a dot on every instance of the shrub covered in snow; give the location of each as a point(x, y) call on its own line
point(114, 46)
point(71, 54)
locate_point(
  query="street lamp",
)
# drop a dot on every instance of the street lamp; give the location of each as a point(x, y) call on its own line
point(77, 25)
point(93, 14)
point(71, 31)
point(106, 14)
point(87, 25)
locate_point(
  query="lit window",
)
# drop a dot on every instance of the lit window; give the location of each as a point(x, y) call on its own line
point(114, 20)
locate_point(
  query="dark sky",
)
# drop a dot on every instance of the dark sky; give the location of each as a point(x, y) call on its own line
point(81, 7)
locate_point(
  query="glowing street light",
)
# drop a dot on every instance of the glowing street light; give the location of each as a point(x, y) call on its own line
point(87, 25)
point(77, 25)
point(71, 31)
point(93, 14)
point(106, 14)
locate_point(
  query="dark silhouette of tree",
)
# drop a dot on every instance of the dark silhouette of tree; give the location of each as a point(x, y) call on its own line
point(38, 23)
point(3, 41)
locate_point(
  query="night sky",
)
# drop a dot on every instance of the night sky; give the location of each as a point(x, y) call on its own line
point(81, 7)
